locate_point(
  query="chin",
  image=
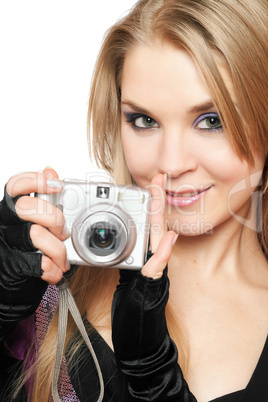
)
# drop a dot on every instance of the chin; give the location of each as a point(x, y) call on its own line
point(190, 228)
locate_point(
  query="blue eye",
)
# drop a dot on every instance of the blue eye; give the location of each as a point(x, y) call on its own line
point(208, 122)
point(140, 121)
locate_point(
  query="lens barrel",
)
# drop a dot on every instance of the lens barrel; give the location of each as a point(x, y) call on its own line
point(102, 238)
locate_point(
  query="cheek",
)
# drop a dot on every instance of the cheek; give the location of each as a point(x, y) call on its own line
point(140, 158)
point(235, 181)
point(225, 166)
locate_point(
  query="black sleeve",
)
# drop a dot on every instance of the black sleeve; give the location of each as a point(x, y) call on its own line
point(20, 292)
point(21, 287)
point(144, 351)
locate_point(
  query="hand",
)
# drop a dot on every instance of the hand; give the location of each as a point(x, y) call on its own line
point(48, 229)
point(143, 349)
point(161, 240)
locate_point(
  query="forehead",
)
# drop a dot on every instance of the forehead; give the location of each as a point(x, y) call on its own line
point(161, 73)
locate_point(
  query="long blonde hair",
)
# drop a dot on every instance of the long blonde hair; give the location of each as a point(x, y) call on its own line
point(231, 32)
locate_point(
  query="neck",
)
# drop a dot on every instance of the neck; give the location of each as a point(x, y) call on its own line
point(231, 248)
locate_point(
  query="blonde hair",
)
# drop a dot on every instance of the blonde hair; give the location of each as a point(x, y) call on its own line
point(231, 32)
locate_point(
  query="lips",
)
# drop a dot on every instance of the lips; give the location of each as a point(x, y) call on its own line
point(185, 198)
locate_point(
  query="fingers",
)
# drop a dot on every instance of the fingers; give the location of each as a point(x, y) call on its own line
point(155, 266)
point(161, 241)
point(48, 230)
point(34, 209)
point(32, 182)
point(43, 213)
point(157, 226)
point(49, 245)
point(51, 272)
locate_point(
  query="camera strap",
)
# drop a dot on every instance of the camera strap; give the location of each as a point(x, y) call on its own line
point(67, 303)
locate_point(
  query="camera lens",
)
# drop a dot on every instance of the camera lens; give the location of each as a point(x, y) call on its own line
point(102, 238)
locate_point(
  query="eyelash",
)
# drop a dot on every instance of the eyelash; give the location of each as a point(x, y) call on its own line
point(131, 118)
point(205, 117)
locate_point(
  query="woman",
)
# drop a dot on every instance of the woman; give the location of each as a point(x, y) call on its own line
point(178, 104)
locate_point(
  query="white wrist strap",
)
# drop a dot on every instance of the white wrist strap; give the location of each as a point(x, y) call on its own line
point(66, 302)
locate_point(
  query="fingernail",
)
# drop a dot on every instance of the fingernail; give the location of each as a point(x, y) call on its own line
point(158, 275)
point(175, 239)
point(68, 265)
point(48, 167)
point(54, 183)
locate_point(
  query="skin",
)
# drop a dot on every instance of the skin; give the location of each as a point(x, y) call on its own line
point(214, 292)
point(168, 86)
point(48, 231)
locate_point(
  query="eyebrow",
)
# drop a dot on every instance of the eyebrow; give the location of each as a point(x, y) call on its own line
point(202, 107)
point(135, 107)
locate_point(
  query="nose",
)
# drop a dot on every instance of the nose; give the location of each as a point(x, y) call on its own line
point(177, 154)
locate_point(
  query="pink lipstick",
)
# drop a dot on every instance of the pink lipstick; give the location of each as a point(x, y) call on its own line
point(185, 198)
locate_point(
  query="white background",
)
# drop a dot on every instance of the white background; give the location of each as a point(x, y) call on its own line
point(47, 53)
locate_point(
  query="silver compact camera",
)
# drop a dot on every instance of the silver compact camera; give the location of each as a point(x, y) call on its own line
point(109, 224)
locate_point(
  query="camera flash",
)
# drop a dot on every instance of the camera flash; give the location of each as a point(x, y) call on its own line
point(103, 192)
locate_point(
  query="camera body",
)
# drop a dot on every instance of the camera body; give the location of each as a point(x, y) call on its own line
point(109, 224)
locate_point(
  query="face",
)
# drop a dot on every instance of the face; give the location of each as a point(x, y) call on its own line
point(170, 125)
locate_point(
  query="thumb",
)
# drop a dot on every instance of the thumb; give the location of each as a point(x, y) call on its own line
point(155, 266)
